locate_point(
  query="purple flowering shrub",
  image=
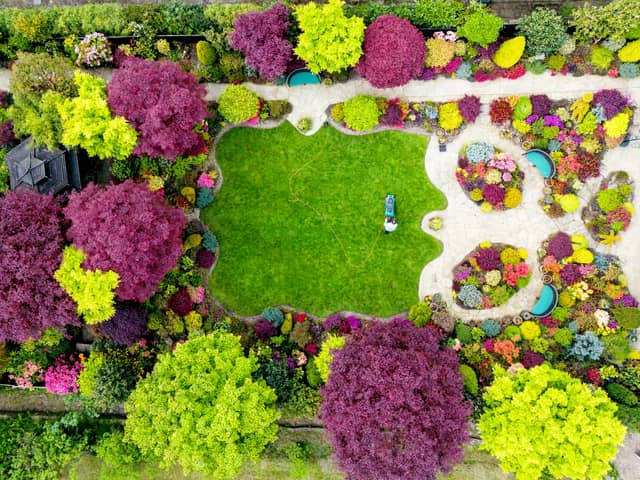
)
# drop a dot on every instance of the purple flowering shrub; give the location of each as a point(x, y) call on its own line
point(62, 377)
point(469, 107)
point(128, 324)
point(391, 34)
point(401, 413)
point(611, 101)
point(260, 38)
point(560, 246)
point(540, 105)
point(31, 242)
point(488, 258)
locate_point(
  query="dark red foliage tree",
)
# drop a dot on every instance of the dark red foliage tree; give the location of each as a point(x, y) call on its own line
point(7, 137)
point(393, 406)
point(393, 52)
point(128, 229)
point(162, 103)
point(181, 303)
point(127, 326)
point(260, 38)
point(31, 242)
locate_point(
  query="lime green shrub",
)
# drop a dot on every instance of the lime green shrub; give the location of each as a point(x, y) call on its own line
point(481, 27)
point(200, 408)
point(510, 52)
point(238, 104)
point(601, 57)
point(329, 40)
point(92, 291)
point(361, 113)
point(470, 379)
point(543, 423)
point(324, 358)
point(87, 377)
point(630, 52)
point(206, 53)
point(420, 314)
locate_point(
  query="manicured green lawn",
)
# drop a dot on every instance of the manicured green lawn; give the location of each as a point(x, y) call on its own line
point(299, 220)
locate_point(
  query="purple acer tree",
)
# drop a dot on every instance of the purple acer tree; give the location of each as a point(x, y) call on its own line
point(127, 326)
point(163, 103)
point(31, 242)
point(393, 406)
point(260, 38)
point(393, 52)
point(128, 229)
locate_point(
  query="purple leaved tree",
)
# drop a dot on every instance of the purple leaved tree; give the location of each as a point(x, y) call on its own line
point(31, 242)
point(393, 52)
point(128, 229)
point(161, 102)
point(260, 38)
point(393, 406)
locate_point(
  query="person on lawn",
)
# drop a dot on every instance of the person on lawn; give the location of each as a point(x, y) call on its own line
point(390, 224)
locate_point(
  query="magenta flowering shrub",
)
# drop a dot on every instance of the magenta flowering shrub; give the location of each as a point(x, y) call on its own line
point(490, 275)
point(127, 326)
point(163, 103)
point(389, 34)
point(128, 229)
point(469, 107)
point(401, 413)
point(31, 242)
point(62, 377)
point(540, 105)
point(260, 36)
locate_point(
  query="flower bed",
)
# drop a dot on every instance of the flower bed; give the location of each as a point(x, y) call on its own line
point(364, 112)
point(575, 133)
point(489, 177)
point(593, 294)
point(610, 210)
point(490, 275)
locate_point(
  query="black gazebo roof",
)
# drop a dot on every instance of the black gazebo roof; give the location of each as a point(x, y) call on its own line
point(42, 170)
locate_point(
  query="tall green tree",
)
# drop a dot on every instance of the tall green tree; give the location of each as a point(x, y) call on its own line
point(329, 40)
point(87, 121)
point(200, 408)
point(39, 83)
point(542, 423)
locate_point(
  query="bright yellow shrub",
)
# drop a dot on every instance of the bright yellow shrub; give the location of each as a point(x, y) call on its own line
point(509, 52)
point(618, 125)
point(630, 52)
point(449, 116)
point(512, 198)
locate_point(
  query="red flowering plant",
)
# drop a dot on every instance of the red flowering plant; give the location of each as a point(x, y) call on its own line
point(490, 178)
point(490, 275)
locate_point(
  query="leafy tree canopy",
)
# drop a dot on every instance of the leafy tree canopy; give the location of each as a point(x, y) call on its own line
point(163, 103)
point(31, 242)
point(329, 40)
point(130, 230)
point(200, 408)
point(400, 414)
point(543, 422)
point(87, 122)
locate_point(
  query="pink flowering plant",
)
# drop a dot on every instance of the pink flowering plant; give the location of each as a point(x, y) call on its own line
point(490, 178)
point(490, 275)
point(93, 51)
point(31, 373)
point(62, 377)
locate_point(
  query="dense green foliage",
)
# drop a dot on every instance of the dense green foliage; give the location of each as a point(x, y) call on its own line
point(543, 422)
point(544, 30)
point(481, 27)
point(87, 121)
point(39, 83)
point(361, 113)
point(200, 408)
point(92, 291)
point(329, 40)
point(238, 104)
point(614, 20)
point(320, 219)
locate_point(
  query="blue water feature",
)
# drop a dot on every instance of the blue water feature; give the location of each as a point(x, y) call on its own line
point(302, 77)
point(542, 162)
point(546, 302)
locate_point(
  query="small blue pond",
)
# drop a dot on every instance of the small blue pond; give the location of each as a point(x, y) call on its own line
point(546, 302)
point(302, 77)
point(542, 161)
